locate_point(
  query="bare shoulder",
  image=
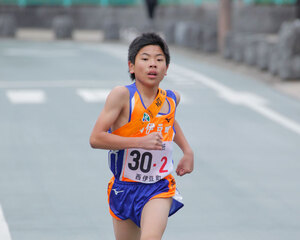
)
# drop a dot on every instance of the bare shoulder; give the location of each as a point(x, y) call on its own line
point(119, 91)
point(116, 99)
point(118, 94)
point(177, 97)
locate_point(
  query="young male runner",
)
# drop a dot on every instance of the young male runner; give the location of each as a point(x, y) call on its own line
point(138, 126)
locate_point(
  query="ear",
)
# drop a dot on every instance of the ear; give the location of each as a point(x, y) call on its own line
point(131, 67)
point(166, 70)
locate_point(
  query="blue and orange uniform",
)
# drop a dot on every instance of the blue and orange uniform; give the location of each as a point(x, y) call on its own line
point(139, 174)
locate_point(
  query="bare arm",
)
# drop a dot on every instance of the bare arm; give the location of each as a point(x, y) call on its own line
point(113, 107)
point(186, 164)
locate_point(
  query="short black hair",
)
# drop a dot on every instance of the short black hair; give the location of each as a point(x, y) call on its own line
point(144, 40)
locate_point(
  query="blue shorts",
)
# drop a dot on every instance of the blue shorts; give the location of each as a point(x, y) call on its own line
point(127, 199)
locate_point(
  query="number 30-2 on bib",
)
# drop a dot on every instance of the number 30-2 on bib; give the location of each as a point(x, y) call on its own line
point(148, 166)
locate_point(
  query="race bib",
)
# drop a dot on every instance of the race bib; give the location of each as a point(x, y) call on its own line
point(149, 166)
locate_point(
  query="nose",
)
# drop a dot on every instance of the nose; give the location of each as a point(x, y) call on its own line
point(153, 63)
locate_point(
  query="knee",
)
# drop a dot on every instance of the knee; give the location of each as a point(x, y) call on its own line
point(150, 237)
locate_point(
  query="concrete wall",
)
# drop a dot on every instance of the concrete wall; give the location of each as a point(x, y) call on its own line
point(261, 19)
point(257, 31)
point(95, 17)
point(84, 17)
point(266, 37)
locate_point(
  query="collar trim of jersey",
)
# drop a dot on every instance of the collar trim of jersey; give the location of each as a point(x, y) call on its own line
point(133, 127)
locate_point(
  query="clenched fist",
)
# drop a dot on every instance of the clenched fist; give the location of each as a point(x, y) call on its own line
point(153, 141)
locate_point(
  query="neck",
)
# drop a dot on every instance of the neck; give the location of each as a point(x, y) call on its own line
point(147, 92)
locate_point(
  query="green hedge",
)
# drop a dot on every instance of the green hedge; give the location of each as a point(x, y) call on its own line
point(132, 2)
point(270, 2)
point(68, 2)
point(99, 2)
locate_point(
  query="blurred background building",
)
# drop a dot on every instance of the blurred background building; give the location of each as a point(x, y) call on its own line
point(260, 33)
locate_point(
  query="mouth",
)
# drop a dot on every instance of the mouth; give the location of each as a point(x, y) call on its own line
point(152, 74)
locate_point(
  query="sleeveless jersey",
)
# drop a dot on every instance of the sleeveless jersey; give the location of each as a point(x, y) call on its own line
point(141, 165)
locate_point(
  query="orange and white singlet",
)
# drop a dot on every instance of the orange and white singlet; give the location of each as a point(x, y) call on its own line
point(141, 165)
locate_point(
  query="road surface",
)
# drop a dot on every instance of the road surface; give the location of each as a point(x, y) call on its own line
point(245, 134)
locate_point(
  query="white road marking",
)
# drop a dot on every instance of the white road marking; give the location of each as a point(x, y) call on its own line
point(247, 99)
point(276, 117)
point(179, 80)
point(240, 98)
point(93, 95)
point(26, 96)
point(4, 230)
point(250, 100)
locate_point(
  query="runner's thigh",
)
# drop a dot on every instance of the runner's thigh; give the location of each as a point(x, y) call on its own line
point(155, 217)
point(126, 230)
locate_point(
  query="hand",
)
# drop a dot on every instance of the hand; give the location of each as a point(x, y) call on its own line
point(153, 141)
point(186, 164)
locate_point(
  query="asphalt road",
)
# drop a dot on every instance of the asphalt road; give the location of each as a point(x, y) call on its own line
point(245, 134)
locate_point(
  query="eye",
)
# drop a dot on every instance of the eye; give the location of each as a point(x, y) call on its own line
point(160, 59)
point(144, 59)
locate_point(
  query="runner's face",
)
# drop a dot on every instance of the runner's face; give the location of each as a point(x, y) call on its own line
point(150, 65)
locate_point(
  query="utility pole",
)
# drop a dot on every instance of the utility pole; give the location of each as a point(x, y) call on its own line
point(224, 21)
